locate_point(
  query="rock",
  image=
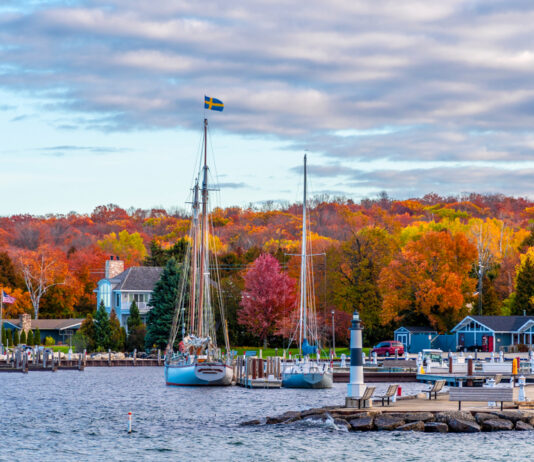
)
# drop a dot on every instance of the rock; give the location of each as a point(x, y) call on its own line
point(290, 415)
point(523, 426)
point(250, 422)
point(414, 416)
point(417, 426)
point(362, 424)
point(463, 426)
point(436, 427)
point(342, 424)
point(315, 417)
point(313, 411)
point(483, 416)
point(513, 414)
point(274, 420)
point(496, 425)
point(446, 416)
point(386, 422)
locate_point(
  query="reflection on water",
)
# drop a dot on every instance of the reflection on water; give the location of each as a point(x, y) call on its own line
point(70, 415)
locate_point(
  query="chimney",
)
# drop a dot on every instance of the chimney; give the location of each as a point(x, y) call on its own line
point(25, 322)
point(114, 267)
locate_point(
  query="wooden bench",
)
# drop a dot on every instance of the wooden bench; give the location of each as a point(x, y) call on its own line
point(480, 394)
point(436, 388)
point(498, 378)
point(390, 392)
point(367, 395)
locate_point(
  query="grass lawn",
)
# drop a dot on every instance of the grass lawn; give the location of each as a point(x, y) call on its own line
point(271, 351)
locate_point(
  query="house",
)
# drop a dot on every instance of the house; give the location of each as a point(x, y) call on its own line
point(494, 333)
point(415, 339)
point(59, 329)
point(121, 287)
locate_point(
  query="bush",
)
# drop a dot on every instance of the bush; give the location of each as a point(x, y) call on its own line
point(49, 341)
point(16, 338)
point(23, 337)
point(37, 336)
point(29, 341)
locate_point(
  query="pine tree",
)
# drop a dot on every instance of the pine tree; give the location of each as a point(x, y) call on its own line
point(524, 290)
point(29, 341)
point(37, 336)
point(16, 338)
point(136, 330)
point(88, 331)
point(116, 341)
point(9, 337)
point(134, 319)
point(102, 328)
point(23, 337)
point(163, 301)
point(4, 335)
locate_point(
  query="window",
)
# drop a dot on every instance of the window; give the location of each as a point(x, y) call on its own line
point(105, 294)
point(141, 298)
point(118, 300)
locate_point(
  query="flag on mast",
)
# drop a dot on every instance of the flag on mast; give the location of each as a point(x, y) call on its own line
point(213, 104)
point(7, 298)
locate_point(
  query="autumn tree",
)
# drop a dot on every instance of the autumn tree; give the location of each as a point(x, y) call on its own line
point(268, 297)
point(41, 270)
point(355, 270)
point(128, 247)
point(428, 283)
point(9, 277)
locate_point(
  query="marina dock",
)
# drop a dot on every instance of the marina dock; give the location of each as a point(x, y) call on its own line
point(253, 372)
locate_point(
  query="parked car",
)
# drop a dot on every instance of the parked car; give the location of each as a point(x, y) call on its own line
point(388, 348)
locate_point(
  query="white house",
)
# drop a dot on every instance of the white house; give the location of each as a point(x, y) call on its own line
point(120, 288)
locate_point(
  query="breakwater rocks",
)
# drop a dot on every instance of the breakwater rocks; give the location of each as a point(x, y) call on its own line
point(430, 422)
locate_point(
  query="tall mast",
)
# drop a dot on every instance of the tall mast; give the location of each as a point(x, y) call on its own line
point(194, 261)
point(203, 234)
point(303, 270)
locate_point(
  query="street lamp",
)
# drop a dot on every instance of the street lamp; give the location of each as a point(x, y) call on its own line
point(333, 334)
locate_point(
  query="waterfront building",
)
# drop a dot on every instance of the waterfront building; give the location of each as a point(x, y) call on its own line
point(120, 287)
point(415, 339)
point(59, 329)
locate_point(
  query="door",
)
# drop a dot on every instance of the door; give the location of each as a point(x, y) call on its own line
point(490, 343)
point(403, 338)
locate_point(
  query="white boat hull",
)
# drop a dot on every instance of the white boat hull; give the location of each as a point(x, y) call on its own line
point(198, 374)
point(307, 376)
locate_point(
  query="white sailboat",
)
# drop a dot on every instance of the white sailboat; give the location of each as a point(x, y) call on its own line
point(306, 372)
point(198, 360)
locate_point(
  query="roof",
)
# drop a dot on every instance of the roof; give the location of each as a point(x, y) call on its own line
point(418, 329)
point(137, 278)
point(498, 323)
point(50, 324)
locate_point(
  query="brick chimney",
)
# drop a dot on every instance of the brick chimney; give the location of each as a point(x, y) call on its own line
point(114, 267)
point(25, 322)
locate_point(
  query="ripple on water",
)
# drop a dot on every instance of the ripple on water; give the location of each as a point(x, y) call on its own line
point(69, 415)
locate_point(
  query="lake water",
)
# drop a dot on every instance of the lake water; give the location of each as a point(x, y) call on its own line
point(78, 416)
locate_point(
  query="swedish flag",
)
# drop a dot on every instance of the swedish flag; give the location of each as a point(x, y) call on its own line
point(213, 104)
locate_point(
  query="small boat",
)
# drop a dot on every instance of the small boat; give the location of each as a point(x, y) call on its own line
point(198, 361)
point(306, 372)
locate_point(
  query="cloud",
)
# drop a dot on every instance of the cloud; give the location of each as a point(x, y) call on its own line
point(412, 81)
point(230, 185)
point(59, 151)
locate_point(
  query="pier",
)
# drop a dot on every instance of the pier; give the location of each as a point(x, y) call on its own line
point(254, 372)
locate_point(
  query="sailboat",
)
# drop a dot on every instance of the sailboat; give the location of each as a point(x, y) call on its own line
point(198, 361)
point(306, 372)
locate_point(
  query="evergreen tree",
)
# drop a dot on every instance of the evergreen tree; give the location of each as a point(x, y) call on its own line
point(16, 338)
point(116, 341)
point(134, 319)
point(8, 275)
point(528, 241)
point(23, 337)
point(88, 333)
point(524, 290)
point(160, 257)
point(4, 335)
point(29, 341)
point(102, 328)
point(9, 337)
point(37, 336)
point(163, 301)
point(136, 330)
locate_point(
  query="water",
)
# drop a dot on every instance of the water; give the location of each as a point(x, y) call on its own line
point(79, 416)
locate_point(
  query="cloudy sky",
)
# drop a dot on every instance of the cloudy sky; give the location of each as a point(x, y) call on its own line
point(101, 101)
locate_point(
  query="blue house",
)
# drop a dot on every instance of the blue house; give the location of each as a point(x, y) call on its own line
point(120, 288)
point(59, 329)
point(415, 339)
point(493, 333)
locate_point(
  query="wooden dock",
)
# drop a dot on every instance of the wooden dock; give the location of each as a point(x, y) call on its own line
point(253, 372)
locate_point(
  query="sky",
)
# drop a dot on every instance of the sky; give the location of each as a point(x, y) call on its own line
point(102, 101)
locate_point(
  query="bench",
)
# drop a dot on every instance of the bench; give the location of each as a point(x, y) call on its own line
point(498, 378)
point(367, 395)
point(436, 388)
point(390, 392)
point(482, 394)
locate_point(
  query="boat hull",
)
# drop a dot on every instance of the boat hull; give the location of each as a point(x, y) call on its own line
point(201, 374)
point(295, 379)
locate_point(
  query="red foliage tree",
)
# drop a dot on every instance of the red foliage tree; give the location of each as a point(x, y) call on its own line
point(268, 297)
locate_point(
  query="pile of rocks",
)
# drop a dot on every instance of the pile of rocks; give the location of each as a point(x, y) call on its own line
point(431, 422)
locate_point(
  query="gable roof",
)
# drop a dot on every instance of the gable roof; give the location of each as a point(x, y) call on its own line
point(418, 329)
point(137, 278)
point(497, 323)
point(49, 324)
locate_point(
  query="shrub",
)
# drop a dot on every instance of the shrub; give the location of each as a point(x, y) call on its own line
point(49, 341)
point(29, 341)
point(37, 336)
point(16, 338)
point(23, 337)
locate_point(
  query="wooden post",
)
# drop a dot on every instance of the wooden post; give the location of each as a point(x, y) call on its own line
point(58, 358)
point(470, 366)
point(135, 357)
point(109, 357)
point(159, 357)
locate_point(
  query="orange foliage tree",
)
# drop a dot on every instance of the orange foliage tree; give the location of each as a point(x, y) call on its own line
point(429, 282)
